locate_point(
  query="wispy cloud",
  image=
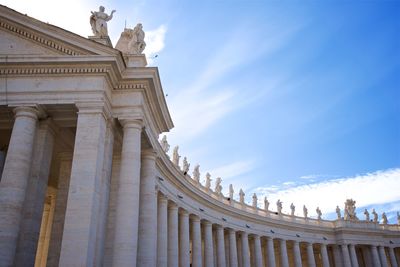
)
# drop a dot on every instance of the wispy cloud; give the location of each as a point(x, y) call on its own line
point(155, 42)
point(234, 169)
point(377, 188)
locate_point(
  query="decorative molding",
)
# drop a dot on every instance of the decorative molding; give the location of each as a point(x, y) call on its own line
point(124, 86)
point(51, 70)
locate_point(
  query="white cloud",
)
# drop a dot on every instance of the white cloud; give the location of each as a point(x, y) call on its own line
point(234, 169)
point(155, 42)
point(370, 189)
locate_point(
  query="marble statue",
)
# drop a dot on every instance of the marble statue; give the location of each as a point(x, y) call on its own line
point(98, 21)
point(131, 41)
point(175, 156)
point(218, 186)
point(208, 181)
point(398, 218)
point(241, 196)
point(350, 210)
point(338, 213)
point(255, 200)
point(305, 211)
point(196, 173)
point(384, 218)
point(366, 213)
point(279, 206)
point(186, 165)
point(375, 216)
point(266, 204)
point(319, 213)
point(292, 209)
point(164, 144)
point(231, 192)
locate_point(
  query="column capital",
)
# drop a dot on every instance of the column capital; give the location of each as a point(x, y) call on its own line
point(150, 154)
point(207, 223)
point(26, 111)
point(127, 122)
point(183, 212)
point(98, 107)
point(195, 218)
point(172, 206)
point(163, 198)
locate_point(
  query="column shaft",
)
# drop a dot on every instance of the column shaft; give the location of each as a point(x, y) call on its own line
point(346, 256)
point(14, 181)
point(173, 244)
point(127, 206)
point(382, 256)
point(245, 250)
point(337, 256)
point(233, 259)
point(147, 236)
point(208, 245)
point(184, 239)
point(297, 254)
point(354, 260)
point(81, 218)
point(196, 242)
point(162, 232)
point(257, 251)
point(271, 252)
point(220, 247)
point(392, 256)
point(375, 256)
point(284, 255)
point(310, 255)
point(324, 255)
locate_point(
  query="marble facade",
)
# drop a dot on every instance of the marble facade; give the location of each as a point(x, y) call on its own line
point(85, 181)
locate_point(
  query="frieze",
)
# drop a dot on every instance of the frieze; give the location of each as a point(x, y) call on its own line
point(31, 71)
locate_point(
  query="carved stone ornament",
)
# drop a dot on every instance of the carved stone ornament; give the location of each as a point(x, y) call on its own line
point(196, 173)
point(218, 186)
point(279, 206)
point(305, 211)
point(266, 204)
point(292, 209)
point(241, 196)
point(98, 21)
point(185, 167)
point(350, 210)
point(164, 144)
point(255, 200)
point(132, 41)
point(175, 156)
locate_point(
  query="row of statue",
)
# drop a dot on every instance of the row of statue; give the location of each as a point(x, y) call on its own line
point(349, 208)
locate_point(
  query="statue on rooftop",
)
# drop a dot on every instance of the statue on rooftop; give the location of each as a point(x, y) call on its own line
point(196, 173)
point(231, 192)
point(137, 44)
point(208, 181)
point(375, 216)
point(338, 213)
point(292, 208)
point(218, 186)
point(164, 144)
point(98, 21)
point(305, 211)
point(319, 213)
point(350, 210)
point(266, 204)
point(366, 213)
point(255, 200)
point(186, 166)
point(384, 218)
point(279, 206)
point(175, 156)
point(241, 196)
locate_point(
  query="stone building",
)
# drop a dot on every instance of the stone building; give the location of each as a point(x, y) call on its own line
point(85, 181)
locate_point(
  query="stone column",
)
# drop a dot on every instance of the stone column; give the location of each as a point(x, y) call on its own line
point(354, 261)
point(382, 256)
point(233, 259)
point(162, 232)
point(346, 256)
point(375, 256)
point(35, 194)
point(392, 257)
point(2, 161)
point(284, 255)
point(59, 210)
point(337, 256)
point(310, 255)
point(127, 206)
point(184, 239)
point(82, 214)
point(220, 247)
point(324, 255)
point(297, 254)
point(208, 245)
point(173, 244)
point(245, 250)
point(196, 242)
point(14, 180)
point(271, 251)
point(257, 251)
point(147, 236)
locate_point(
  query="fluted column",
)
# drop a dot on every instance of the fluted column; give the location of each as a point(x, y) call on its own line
point(310, 255)
point(346, 256)
point(162, 232)
point(127, 205)
point(324, 255)
point(382, 256)
point(196, 242)
point(337, 256)
point(257, 251)
point(271, 251)
point(297, 254)
point(14, 180)
point(173, 253)
point(284, 255)
point(184, 239)
point(375, 256)
point(392, 257)
point(233, 259)
point(245, 250)
point(220, 247)
point(354, 261)
point(147, 235)
point(208, 244)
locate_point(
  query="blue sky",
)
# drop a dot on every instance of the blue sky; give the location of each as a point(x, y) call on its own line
point(282, 98)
